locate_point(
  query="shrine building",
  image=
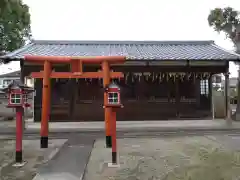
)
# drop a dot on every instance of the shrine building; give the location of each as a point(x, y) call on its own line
point(163, 80)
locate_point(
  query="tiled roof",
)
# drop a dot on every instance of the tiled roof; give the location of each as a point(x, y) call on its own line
point(133, 50)
point(11, 74)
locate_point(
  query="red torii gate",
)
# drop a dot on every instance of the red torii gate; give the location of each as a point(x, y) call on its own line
point(76, 72)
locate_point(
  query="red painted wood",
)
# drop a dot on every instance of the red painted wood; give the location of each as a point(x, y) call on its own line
point(68, 60)
point(77, 75)
point(114, 129)
point(19, 127)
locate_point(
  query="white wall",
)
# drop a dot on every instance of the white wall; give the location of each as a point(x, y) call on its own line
point(29, 82)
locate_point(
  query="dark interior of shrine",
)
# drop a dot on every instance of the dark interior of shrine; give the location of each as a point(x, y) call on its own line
point(147, 93)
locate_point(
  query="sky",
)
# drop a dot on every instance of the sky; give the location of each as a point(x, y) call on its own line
point(125, 20)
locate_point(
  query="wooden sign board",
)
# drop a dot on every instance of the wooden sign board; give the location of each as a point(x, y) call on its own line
point(168, 63)
point(207, 63)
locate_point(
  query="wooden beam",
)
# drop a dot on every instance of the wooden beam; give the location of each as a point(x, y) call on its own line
point(214, 63)
point(68, 59)
point(168, 63)
point(76, 75)
point(75, 66)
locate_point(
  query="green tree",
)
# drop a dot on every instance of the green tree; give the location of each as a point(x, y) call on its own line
point(14, 25)
point(227, 20)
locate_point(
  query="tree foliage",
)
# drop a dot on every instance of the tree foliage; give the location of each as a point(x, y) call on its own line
point(227, 20)
point(14, 25)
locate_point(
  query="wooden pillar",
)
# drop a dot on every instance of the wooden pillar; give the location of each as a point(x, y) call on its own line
point(211, 92)
point(177, 97)
point(107, 110)
point(227, 99)
point(45, 104)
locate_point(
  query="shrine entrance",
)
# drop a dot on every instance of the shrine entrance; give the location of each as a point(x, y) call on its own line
point(77, 72)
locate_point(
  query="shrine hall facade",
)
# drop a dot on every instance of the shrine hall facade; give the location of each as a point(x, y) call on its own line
point(163, 80)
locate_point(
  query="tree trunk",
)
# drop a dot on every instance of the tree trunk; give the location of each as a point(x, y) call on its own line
point(237, 113)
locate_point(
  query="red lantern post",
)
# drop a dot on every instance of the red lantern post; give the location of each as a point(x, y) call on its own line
point(114, 103)
point(17, 98)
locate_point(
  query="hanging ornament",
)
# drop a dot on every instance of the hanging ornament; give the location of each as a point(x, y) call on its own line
point(139, 77)
point(56, 79)
point(182, 75)
point(126, 77)
point(206, 75)
point(189, 76)
point(203, 75)
point(174, 77)
point(153, 77)
point(76, 79)
point(135, 75)
point(160, 77)
point(169, 76)
point(194, 77)
point(132, 77)
point(178, 76)
point(163, 75)
point(146, 75)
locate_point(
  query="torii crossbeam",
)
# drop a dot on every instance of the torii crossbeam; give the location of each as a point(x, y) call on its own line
point(76, 64)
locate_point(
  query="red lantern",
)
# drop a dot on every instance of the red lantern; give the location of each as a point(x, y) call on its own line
point(113, 96)
point(113, 92)
point(17, 95)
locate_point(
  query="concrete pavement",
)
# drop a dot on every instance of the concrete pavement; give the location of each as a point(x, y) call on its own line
point(32, 155)
point(69, 163)
point(217, 124)
point(127, 126)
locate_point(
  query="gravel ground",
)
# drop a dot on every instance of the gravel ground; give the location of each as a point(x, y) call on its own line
point(33, 155)
point(180, 158)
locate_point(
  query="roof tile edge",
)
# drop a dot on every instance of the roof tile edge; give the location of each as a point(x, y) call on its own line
point(79, 42)
point(13, 53)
